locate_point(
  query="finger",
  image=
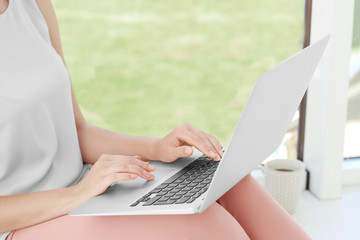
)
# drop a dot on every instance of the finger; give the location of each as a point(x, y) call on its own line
point(144, 165)
point(119, 164)
point(117, 177)
point(215, 143)
point(214, 153)
point(135, 159)
point(196, 141)
point(130, 167)
point(210, 143)
point(183, 151)
point(144, 173)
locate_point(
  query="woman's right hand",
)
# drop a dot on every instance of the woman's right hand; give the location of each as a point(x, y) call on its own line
point(109, 169)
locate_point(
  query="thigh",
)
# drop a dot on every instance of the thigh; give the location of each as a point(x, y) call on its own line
point(214, 223)
point(258, 213)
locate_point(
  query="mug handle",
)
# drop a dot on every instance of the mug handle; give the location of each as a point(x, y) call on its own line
point(261, 167)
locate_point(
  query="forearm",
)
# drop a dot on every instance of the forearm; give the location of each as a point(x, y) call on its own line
point(95, 141)
point(19, 211)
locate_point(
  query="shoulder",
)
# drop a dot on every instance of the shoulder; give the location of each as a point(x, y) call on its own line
point(44, 5)
point(47, 10)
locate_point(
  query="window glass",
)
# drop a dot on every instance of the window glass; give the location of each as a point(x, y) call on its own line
point(144, 67)
point(352, 127)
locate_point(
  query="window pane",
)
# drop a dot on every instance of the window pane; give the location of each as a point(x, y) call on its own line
point(352, 127)
point(144, 67)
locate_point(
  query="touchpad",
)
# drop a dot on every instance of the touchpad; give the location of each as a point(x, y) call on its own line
point(162, 171)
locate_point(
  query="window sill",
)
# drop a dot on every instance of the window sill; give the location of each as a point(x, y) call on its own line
point(351, 172)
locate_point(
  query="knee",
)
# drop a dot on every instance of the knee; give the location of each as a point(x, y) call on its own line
point(216, 223)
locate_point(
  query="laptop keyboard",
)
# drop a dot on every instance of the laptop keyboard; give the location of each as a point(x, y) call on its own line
point(183, 187)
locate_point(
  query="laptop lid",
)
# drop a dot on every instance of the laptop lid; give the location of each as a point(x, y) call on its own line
point(265, 119)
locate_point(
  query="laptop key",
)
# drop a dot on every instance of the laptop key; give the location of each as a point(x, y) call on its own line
point(202, 184)
point(197, 194)
point(163, 199)
point(176, 175)
point(192, 184)
point(181, 193)
point(151, 201)
point(163, 185)
point(194, 191)
point(165, 203)
point(197, 180)
point(182, 200)
point(190, 194)
point(156, 190)
point(172, 185)
point(190, 200)
point(161, 193)
point(169, 194)
point(143, 199)
point(176, 197)
point(134, 204)
point(175, 190)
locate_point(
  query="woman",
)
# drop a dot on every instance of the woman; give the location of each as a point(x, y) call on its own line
point(45, 142)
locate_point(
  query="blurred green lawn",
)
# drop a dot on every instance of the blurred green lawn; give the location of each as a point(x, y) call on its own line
point(144, 67)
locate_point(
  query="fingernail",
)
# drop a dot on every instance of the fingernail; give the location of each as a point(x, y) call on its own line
point(188, 150)
point(213, 155)
point(152, 167)
point(133, 176)
point(148, 175)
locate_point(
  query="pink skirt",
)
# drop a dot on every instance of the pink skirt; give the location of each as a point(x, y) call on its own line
point(246, 211)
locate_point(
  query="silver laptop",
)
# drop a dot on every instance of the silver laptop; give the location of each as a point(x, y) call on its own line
point(190, 185)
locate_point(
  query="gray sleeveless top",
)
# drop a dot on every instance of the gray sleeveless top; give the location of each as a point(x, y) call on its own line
point(39, 148)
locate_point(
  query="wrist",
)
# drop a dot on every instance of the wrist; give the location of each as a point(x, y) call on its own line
point(79, 194)
point(67, 200)
point(154, 149)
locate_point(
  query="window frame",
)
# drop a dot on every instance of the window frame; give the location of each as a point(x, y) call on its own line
point(302, 108)
point(326, 99)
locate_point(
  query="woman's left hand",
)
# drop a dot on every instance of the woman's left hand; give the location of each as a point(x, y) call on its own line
point(179, 142)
